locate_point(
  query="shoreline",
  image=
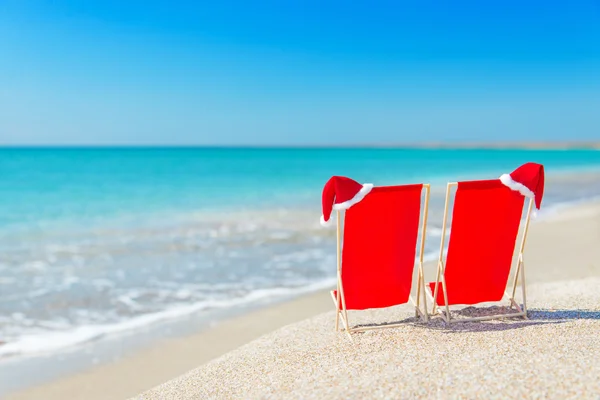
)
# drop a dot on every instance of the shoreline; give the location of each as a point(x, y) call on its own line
point(106, 352)
point(174, 356)
point(169, 358)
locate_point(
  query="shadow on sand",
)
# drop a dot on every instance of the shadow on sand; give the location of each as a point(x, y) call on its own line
point(536, 317)
point(562, 314)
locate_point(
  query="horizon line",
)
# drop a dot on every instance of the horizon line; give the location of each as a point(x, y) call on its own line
point(510, 145)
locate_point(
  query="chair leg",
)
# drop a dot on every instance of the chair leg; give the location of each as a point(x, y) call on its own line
point(339, 315)
point(337, 311)
point(445, 316)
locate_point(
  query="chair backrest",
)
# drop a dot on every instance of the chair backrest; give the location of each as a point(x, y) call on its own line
point(485, 226)
point(379, 247)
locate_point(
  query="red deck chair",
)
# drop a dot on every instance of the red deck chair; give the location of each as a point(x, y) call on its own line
point(485, 225)
point(380, 232)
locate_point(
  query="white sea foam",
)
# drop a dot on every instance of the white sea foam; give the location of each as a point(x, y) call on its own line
point(557, 209)
point(431, 256)
point(129, 302)
point(35, 266)
point(49, 342)
point(435, 231)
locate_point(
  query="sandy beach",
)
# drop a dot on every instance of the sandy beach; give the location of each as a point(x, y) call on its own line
point(554, 354)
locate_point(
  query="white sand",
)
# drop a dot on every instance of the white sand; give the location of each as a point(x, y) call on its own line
point(555, 354)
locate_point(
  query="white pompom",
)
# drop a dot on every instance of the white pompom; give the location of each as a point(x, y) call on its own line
point(326, 223)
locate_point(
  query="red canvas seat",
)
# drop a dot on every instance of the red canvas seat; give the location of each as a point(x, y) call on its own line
point(486, 218)
point(380, 235)
point(482, 242)
point(380, 243)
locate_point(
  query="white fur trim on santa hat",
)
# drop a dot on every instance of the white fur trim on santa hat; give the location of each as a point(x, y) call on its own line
point(507, 180)
point(366, 188)
point(326, 223)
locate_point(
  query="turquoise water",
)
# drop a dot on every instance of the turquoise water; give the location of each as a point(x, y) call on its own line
point(43, 185)
point(98, 241)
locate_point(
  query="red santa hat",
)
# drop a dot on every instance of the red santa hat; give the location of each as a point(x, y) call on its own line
point(341, 193)
point(528, 180)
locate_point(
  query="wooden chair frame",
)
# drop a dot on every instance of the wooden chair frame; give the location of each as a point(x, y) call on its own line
point(520, 271)
point(343, 312)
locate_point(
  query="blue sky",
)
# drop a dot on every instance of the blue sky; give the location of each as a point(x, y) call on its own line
point(297, 72)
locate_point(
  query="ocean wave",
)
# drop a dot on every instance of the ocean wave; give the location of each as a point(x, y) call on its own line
point(53, 341)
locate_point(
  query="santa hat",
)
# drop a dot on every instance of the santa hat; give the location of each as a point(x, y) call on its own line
point(341, 193)
point(528, 180)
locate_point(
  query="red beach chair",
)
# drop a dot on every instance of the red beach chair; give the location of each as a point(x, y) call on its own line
point(485, 224)
point(380, 232)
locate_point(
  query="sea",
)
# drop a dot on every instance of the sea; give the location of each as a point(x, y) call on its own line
point(97, 242)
